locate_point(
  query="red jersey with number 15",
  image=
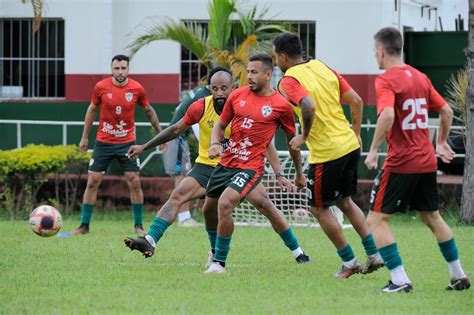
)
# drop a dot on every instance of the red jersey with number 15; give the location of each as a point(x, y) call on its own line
point(254, 120)
point(412, 96)
point(117, 113)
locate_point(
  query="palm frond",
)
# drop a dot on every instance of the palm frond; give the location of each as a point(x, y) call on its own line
point(38, 6)
point(220, 22)
point(192, 37)
point(457, 91)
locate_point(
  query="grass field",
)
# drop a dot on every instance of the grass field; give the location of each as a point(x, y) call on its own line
point(98, 274)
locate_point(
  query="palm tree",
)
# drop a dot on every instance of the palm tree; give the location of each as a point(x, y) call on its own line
point(38, 6)
point(233, 33)
point(467, 202)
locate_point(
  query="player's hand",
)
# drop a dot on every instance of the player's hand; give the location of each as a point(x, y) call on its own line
point(300, 181)
point(164, 147)
point(371, 160)
point(286, 184)
point(215, 150)
point(445, 152)
point(297, 142)
point(134, 151)
point(83, 145)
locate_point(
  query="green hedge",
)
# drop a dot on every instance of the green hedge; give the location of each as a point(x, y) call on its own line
point(23, 171)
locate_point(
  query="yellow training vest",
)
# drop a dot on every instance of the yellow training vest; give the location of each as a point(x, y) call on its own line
point(206, 123)
point(331, 136)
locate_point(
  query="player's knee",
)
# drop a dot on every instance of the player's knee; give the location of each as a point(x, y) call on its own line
point(177, 197)
point(226, 206)
point(431, 219)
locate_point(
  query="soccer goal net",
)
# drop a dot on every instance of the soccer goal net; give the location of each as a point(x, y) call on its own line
point(293, 205)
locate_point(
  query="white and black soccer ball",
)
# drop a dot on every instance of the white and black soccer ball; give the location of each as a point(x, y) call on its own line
point(45, 221)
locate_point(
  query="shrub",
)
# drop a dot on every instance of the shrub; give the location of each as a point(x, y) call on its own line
point(23, 171)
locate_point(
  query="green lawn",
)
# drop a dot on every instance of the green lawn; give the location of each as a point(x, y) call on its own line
point(98, 274)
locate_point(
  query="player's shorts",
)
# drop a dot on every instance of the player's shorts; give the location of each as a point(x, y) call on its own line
point(104, 153)
point(331, 181)
point(241, 180)
point(201, 173)
point(176, 158)
point(393, 192)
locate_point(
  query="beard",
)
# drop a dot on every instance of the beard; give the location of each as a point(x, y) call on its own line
point(219, 104)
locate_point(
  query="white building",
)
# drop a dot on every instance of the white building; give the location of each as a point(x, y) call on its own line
point(83, 35)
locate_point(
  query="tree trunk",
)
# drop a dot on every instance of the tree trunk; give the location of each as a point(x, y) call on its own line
point(467, 202)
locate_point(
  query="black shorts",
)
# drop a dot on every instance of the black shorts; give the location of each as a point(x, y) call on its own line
point(331, 181)
point(104, 153)
point(393, 192)
point(201, 173)
point(241, 180)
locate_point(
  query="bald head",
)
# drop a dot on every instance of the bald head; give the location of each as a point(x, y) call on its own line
point(221, 87)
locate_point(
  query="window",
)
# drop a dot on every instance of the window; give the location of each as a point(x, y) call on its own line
point(192, 71)
point(31, 65)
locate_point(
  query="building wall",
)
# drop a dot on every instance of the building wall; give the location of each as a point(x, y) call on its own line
point(98, 29)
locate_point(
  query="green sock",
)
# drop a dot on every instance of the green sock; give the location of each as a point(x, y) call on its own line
point(137, 213)
point(290, 239)
point(158, 228)
point(391, 256)
point(449, 250)
point(86, 213)
point(369, 245)
point(346, 253)
point(212, 234)
point(222, 248)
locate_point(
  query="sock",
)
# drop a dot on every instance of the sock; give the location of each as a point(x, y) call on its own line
point(399, 275)
point(369, 245)
point(212, 234)
point(222, 248)
point(182, 216)
point(158, 228)
point(346, 254)
point(449, 250)
point(150, 240)
point(297, 252)
point(390, 256)
point(450, 254)
point(137, 213)
point(455, 269)
point(290, 239)
point(86, 213)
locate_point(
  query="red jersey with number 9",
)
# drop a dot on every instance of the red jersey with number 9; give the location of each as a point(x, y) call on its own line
point(412, 96)
point(117, 113)
point(254, 120)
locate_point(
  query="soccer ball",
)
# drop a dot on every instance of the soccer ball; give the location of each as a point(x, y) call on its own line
point(45, 221)
point(300, 215)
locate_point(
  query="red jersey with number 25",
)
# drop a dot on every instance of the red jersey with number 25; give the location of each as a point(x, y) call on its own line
point(254, 120)
point(117, 113)
point(412, 96)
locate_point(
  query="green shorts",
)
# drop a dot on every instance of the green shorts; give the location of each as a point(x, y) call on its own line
point(241, 180)
point(104, 153)
point(395, 192)
point(201, 173)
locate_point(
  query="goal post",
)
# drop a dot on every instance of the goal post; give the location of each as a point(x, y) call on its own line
point(293, 205)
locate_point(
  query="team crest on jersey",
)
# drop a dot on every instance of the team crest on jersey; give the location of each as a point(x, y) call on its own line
point(109, 95)
point(242, 103)
point(266, 110)
point(128, 96)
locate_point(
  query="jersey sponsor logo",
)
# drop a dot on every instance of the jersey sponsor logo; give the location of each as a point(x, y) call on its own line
point(120, 132)
point(242, 103)
point(239, 150)
point(128, 96)
point(266, 110)
point(109, 95)
point(210, 124)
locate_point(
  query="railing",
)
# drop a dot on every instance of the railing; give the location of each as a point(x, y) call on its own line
point(65, 125)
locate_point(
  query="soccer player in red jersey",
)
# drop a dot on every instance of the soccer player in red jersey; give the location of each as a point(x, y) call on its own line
point(408, 176)
point(254, 112)
point(117, 96)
